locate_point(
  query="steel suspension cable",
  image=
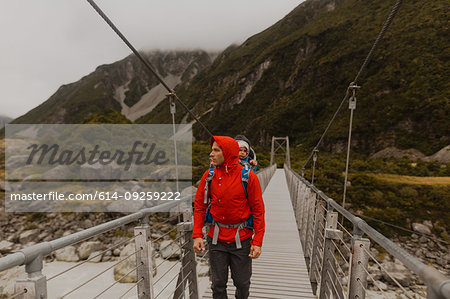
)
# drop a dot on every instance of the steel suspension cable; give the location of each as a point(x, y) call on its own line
point(362, 68)
point(146, 63)
point(352, 107)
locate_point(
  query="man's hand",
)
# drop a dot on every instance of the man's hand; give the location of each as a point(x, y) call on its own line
point(199, 246)
point(255, 251)
point(253, 162)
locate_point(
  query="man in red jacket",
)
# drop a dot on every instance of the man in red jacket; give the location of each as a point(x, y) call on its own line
point(232, 245)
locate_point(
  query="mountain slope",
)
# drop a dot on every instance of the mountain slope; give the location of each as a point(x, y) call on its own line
point(290, 78)
point(124, 86)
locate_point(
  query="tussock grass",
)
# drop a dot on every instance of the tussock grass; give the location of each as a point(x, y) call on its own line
point(411, 180)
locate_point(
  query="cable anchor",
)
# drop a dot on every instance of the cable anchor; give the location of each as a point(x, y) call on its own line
point(171, 97)
point(352, 101)
point(315, 151)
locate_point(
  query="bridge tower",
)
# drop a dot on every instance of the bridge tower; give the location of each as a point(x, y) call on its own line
point(283, 144)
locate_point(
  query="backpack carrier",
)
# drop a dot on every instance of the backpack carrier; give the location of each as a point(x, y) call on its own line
point(208, 217)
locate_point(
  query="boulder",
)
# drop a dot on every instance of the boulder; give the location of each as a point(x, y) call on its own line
point(398, 271)
point(423, 239)
point(107, 256)
point(127, 265)
point(169, 249)
point(96, 257)
point(8, 279)
point(6, 246)
point(87, 248)
point(28, 236)
point(421, 228)
point(67, 254)
point(15, 162)
point(58, 172)
point(375, 271)
point(428, 224)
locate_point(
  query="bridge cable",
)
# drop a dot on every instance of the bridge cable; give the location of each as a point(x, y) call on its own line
point(352, 107)
point(146, 63)
point(173, 110)
point(355, 81)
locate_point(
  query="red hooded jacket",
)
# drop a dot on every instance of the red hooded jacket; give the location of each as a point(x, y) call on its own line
point(228, 202)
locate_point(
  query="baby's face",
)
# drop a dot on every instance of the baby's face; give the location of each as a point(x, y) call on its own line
point(243, 152)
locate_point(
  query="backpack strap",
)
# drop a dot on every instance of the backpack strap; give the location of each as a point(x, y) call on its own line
point(208, 184)
point(244, 178)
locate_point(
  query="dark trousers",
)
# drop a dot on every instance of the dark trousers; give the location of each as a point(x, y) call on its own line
point(223, 256)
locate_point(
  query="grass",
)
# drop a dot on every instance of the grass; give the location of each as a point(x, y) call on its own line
point(411, 180)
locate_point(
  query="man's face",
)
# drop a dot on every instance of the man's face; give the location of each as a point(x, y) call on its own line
point(216, 155)
point(243, 152)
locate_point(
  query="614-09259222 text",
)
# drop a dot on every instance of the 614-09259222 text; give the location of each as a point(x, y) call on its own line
point(97, 195)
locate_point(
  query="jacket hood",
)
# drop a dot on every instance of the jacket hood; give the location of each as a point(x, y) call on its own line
point(230, 149)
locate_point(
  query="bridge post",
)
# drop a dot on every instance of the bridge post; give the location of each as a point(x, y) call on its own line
point(299, 206)
point(329, 283)
point(188, 271)
point(272, 153)
point(315, 255)
point(288, 154)
point(35, 285)
point(144, 259)
point(312, 199)
point(359, 262)
point(305, 213)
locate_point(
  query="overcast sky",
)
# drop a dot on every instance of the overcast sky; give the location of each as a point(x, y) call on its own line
point(47, 43)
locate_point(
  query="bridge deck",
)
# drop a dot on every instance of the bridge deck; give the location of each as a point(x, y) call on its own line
point(281, 271)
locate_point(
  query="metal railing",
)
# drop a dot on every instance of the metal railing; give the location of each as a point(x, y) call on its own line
point(339, 270)
point(35, 284)
point(181, 276)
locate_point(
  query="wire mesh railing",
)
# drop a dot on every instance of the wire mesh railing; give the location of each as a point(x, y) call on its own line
point(141, 261)
point(340, 262)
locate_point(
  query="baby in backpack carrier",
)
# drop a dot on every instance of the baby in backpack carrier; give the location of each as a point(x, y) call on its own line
point(247, 155)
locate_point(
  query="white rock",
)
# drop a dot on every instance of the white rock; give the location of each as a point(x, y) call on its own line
point(8, 279)
point(381, 285)
point(428, 224)
point(6, 246)
point(418, 227)
point(28, 236)
point(169, 249)
point(87, 248)
point(67, 254)
point(397, 270)
point(128, 263)
point(97, 258)
point(107, 256)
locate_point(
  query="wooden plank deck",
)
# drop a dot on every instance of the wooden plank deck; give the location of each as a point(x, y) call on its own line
point(280, 272)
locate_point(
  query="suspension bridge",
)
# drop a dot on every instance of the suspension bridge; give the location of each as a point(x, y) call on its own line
point(307, 252)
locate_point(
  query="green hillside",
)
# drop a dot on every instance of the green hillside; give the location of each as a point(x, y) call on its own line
point(308, 60)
